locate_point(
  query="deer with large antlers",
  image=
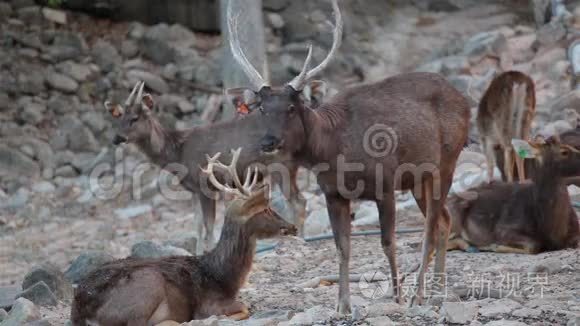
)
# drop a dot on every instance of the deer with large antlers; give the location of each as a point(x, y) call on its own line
point(173, 290)
point(426, 120)
point(187, 149)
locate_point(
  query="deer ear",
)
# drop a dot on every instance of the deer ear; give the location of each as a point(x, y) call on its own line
point(243, 99)
point(116, 110)
point(314, 92)
point(525, 149)
point(147, 103)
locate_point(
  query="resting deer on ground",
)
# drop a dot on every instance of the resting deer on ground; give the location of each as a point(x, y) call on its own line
point(172, 290)
point(137, 124)
point(520, 217)
point(423, 121)
point(506, 111)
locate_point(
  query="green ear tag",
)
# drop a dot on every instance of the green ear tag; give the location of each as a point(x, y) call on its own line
point(523, 153)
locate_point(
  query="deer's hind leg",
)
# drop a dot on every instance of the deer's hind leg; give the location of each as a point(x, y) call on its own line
point(489, 152)
point(508, 161)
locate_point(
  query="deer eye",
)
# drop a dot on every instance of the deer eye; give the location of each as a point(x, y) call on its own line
point(133, 120)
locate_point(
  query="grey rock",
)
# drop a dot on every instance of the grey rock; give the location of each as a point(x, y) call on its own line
point(548, 265)
point(149, 249)
point(17, 200)
point(316, 314)
point(187, 241)
point(31, 81)
point(22, 311)
point(276, 315)
point(84, 264)
point(170, 71)
point(133, 211)
point(62, 82)
point(42, 322)
point(526, 313)
point(95, 120)
point(65, 171)
point(31, 15)
point(3, 315)
point(485, 43)
point(73, 40)
point(43, 187)
point(574, 321)
point(379, 321)
point(459, 312)
point(77, 71)
point(83, 161)
point(129, 48)
point(549, 34)
point(40, 294)
point(17, 4)
point(498, 308)
point(158, 51)
point(422, 311)
point(136, 30)
point(105, 55)
point(52, 277)
point(78, 137)
point(14, 163)
point(58, 53)
point(152, 81)
point(504, 322)
point(275, 20)
point(33, 113)
point(7, 295)
point(28, 40)
point(5, 102)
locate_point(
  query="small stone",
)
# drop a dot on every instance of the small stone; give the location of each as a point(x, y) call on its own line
point(40, 294)
point(504, 322)
point(62, 82)
point(129, 48)
point(526, 313)
point(3, 315)
point(548, 265)
point(84, 264)
point(184, 241)
point(14, 163)
point(152, 81)
point(33, 113)
point(459, 312)
point(17, 200)
point(75, 70)
point(275, 20)
point(422, 311)
point(22, 311)
point(499, 307)
point(185, 107)
point(316, 314)
point(379, 321)
point(133, 211)
point(105, 55)
point(43, 187)
point(384, 309)
point(65, 171)
point(149, 249)
point(52, 277)
point(42, 322)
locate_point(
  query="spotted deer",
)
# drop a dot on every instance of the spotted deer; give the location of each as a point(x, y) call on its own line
point(173, 290)
point(136, 123)
point(525, 218)
point(422, 118)
point(506, 111)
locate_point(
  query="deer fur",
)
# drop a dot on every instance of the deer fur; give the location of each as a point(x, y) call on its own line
point(506, 111)
point(529, 217)
point(137, 124)
point(173, 290)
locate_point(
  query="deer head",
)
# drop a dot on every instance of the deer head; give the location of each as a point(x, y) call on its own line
point(285, 106)
point(561, 159)
point(251, 206)
point(134, 119)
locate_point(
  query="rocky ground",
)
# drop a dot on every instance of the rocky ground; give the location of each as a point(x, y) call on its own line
point(54, 132)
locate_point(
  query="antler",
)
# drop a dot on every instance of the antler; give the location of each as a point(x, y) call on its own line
point(299, 81)
point(254, 76)
point(243, 190)
point(139, 86)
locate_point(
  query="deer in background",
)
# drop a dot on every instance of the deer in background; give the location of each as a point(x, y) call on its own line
point(506, 111)
point(137, 124)
point(527, 218)
point(173, 290)
point(427, 121)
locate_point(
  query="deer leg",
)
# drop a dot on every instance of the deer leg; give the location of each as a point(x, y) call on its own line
point(237, 311)
point(443, 228)
point(298, 203)
point(520, 168)
point(489, 158)
point(386, 208)
point(208, 206)
point(458, 243)
point(528, 250)
point(433, 212)
point(339, 213)
point(508, 163)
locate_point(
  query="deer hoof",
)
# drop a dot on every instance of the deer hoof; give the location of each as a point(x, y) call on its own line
point(416, 301)
point(343, 308)
point(472, 249)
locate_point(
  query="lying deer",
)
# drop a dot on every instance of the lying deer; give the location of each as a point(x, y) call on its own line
point(520, 217)
point(506, 111)
point(172, 290)
point(424, 121)
point(137, 124)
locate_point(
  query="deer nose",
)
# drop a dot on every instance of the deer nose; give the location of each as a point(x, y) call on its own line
point(119, 139)
point(269, 143)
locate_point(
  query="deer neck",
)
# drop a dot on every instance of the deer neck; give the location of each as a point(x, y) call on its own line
point(321, 128)
point(162, 146)
point(229, 263)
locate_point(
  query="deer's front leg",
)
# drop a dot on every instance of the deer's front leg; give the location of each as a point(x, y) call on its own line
point(208, 206)
point(237, 311)
point(339, 214)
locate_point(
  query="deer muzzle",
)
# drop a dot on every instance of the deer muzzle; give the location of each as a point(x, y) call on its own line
point(118, 139)
point(270, 144)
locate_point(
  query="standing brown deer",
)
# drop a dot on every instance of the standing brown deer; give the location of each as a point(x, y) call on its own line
point(420, 118)
point(526, 217)
point(137, 124)
point(506, 111)
point(173, 290)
